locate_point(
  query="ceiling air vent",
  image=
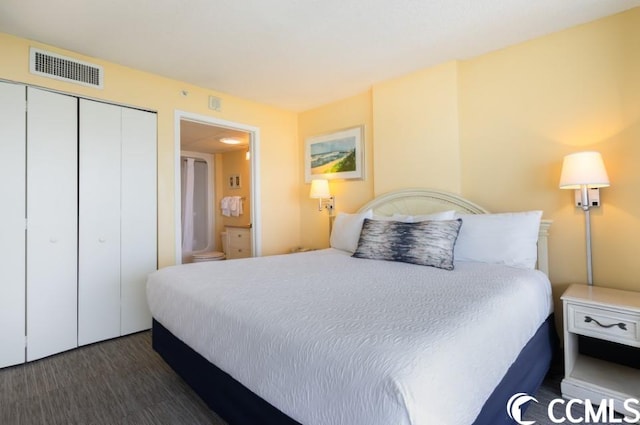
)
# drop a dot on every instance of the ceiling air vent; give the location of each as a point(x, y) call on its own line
point(64, 68)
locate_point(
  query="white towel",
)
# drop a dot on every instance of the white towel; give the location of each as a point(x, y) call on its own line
point(225, 206)
point(231, 206)
point(235, 206)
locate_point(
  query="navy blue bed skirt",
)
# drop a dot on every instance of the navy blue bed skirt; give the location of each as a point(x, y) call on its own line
point(524, 376)
point(239, 406)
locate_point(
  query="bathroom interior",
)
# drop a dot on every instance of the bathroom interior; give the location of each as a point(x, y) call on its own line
point(215, 167)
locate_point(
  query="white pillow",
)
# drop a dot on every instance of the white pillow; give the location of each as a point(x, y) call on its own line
point(346, 230)
point(384, 218)
point(438, 216)
point(508, 238)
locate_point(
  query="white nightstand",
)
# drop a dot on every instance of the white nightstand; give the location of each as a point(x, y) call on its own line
point(608, 315)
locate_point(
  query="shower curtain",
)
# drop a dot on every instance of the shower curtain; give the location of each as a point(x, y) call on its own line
point(188, 184)
point(196, 225)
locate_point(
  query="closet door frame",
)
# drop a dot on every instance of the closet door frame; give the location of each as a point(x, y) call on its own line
point(39, 251)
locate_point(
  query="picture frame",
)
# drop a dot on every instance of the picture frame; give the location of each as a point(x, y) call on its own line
point(335, 155)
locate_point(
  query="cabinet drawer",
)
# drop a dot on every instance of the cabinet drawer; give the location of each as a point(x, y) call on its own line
point(239, 253)
point(604, 324)
point(239, 240)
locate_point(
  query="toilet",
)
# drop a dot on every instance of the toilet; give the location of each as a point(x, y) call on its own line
point(211, 255)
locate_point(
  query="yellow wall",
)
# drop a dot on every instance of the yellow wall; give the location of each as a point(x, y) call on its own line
point(278, 131)
point(231, 164)
point(495, 129)
point(415, 131)
point(349, 194)
point(525, 107)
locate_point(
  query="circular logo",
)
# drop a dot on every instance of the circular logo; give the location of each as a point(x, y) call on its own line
point(514, 407)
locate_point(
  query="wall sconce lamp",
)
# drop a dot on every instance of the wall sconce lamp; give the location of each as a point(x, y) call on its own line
point(585, 172)
point(320, 191)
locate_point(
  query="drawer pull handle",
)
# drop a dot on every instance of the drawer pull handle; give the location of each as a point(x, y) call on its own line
point(621, 325)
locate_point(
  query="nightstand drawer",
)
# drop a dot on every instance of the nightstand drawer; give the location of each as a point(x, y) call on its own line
point(604, 324)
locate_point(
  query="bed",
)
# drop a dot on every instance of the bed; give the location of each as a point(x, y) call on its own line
point(341, 336)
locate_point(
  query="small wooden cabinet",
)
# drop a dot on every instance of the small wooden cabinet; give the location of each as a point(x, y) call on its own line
point(238, 242)
point(601, 314)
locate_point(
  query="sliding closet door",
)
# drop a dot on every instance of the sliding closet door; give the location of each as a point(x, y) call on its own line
point(139, 216)
point(12, 223)
point(52, 213)
point(99, 227)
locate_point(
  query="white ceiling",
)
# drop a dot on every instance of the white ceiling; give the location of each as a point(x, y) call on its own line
point(295, 54)
point(205, 138)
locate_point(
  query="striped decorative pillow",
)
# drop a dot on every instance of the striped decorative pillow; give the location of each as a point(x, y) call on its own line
point(427, 243)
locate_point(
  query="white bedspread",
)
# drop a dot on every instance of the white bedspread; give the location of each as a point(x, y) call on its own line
point(329, 339)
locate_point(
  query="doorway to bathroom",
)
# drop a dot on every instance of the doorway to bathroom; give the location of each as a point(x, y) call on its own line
point(216, 163)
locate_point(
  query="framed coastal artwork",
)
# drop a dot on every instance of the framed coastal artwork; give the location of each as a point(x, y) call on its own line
point(337, 155)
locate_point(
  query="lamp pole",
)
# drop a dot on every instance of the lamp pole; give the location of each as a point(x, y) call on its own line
point(584, 192)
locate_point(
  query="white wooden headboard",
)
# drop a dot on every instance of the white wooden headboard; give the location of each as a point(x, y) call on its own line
point(426, 201)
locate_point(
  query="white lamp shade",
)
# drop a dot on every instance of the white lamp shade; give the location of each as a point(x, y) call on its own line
point(319, 189)
point(583, 169)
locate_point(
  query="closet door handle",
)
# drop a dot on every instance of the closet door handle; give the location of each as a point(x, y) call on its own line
point(53, 239)
point(102, 240)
